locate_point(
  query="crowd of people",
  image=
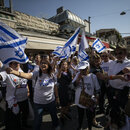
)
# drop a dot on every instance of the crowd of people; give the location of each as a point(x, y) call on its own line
point(50, 83)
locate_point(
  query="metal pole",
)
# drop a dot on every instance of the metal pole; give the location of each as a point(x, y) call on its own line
point(89, 23)
point(11, 6)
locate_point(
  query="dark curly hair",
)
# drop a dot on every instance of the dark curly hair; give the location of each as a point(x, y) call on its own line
point(49, 70)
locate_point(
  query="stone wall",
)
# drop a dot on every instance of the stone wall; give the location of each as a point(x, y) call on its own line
point(23, 22)
point(31, 23)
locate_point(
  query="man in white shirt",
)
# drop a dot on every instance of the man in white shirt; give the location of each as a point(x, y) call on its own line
point(105, 65)
point(119, 90)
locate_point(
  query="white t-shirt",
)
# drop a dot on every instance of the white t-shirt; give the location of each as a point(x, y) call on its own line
point(73, 72)
point(44, 88)
point(90, 84)
point(105, 65)
point(20, 92)
point(116, 68)
point(36, 68)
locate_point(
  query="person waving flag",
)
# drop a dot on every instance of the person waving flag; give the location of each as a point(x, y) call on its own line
point(12, 45)
point(82, 55)
point(98, 46)
point(70, 46)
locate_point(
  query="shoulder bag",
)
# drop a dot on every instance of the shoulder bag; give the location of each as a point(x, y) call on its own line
point(85, 99)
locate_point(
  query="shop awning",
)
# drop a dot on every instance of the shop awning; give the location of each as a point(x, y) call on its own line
point(43, 42)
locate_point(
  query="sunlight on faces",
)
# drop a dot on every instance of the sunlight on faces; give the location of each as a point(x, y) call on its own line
point(84, 71)
point(121, 52)
point(97, 62)
point(64, 66)
point(46, 58)
point(120, 55)
point(105, 56)
point(37, 58)
point(44, 65)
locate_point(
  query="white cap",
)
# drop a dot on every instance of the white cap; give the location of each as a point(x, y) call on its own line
point(82, 65)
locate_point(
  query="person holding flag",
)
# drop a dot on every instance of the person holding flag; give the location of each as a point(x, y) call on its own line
point(17, 91)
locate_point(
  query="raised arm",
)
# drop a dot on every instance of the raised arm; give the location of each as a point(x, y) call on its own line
point(19, 74)
point(105, 76)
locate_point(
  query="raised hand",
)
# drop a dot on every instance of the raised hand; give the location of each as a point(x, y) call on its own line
point(9, 70)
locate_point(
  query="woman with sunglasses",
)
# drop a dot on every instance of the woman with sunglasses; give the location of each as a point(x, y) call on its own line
point(88, 81)
point(45, 93)
point(105, 61)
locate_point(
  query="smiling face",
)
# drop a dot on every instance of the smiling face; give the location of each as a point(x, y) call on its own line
point(37, 59)
point(64, 66)
point(44, 65)
point(105, 56)
point(121, 51)
point(97, 62)
point(120, 55)
point(84, 71)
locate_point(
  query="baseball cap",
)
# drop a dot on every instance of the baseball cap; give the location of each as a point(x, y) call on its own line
point(82, 65)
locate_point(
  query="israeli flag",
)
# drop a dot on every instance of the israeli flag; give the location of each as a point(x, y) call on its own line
point(98, 45)
point(70, 47)
point(57, 51)
point(12, 45)
point(82, 55)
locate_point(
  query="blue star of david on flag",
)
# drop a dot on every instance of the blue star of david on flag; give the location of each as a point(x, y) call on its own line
point(98, 46)
point(12, 45)
point(19, 53)
point(73, 48)
point(83, 56)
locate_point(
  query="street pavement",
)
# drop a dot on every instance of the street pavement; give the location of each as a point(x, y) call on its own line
point(68, 124)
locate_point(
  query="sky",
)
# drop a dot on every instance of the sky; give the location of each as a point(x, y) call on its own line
point(103, 13)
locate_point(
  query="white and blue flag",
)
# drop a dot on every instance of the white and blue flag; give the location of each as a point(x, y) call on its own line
point(57, 51)
point(12, 45)
point(70, 46)
point(82, 55)
point(98, 45)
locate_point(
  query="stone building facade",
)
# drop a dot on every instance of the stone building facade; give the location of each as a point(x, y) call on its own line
point(42, 34)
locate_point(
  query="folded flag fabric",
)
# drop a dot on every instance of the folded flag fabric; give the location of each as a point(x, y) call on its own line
point(70, 46)
point(57, 51)
point(12, 45)
point(98, 46)
point(82, 55)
